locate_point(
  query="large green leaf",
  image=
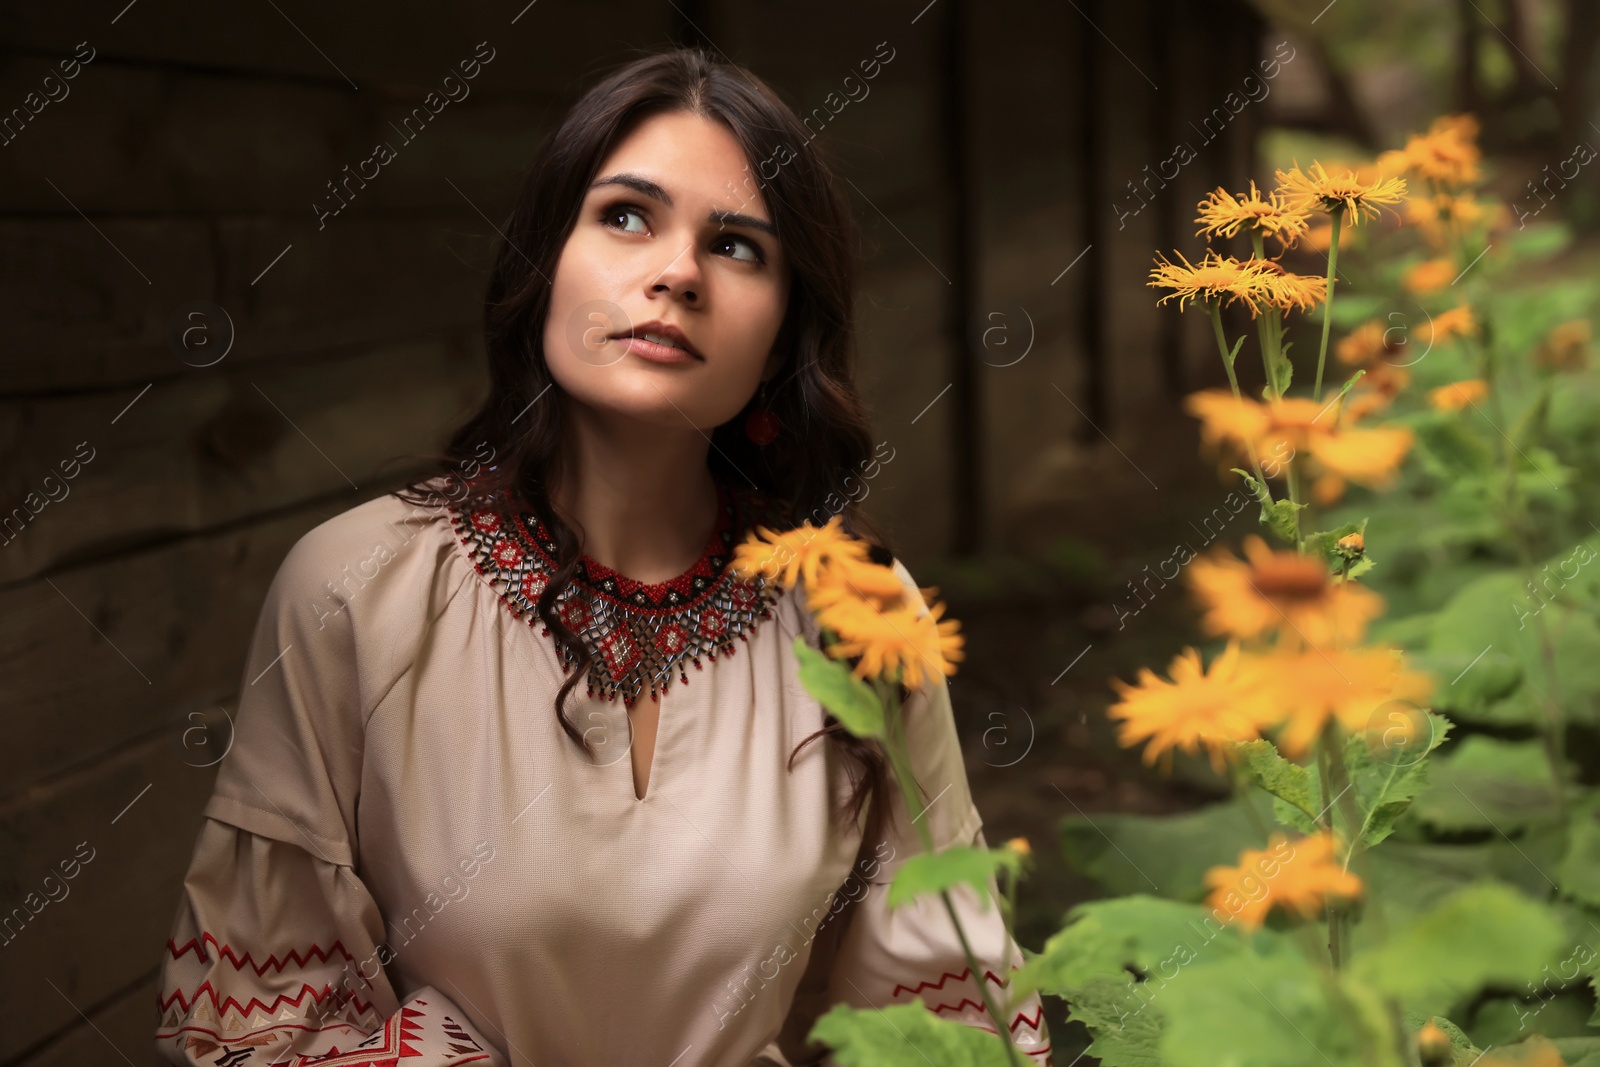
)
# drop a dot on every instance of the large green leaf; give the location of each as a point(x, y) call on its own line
point(1126, 1029)
point(1480, 935)
point(1484, 783)
point(1265, 1009)
point(1579, 873)
point(1385, 777)
point(831, 684)
point(1167, 855)
point(1103, 937)
point(931, 872)
point(905, 1035)
point(1289, 782)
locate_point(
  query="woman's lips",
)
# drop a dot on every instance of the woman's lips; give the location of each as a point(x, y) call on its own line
point(654, 352)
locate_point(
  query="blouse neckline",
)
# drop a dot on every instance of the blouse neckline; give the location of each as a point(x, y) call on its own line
point(639, 634)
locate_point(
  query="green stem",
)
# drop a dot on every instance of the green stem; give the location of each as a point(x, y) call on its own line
point(1325, 818)
point(894, 745)
point(1327, 307)
point(1233, 380)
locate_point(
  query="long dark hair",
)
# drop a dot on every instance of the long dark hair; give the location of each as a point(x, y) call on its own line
point(824, 434)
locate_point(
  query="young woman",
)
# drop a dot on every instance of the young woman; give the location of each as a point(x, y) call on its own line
point(426, 844)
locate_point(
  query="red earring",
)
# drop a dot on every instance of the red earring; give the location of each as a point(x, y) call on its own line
point(761, 425)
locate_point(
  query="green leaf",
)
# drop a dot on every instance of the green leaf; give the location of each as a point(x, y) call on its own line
point(1257, 489)
point(1481, 935)
point(1267, 1009)
point(905, 1035)
point(1163, 854)
point(1579, 873)
point(1385, 777)
point(1462, 1051)
point(1289, 782)
point(831, 684)
point(931, 872)
point(1103, 937)
point(1281, 518)
point(1451, 450)
point(1125, 1025)
point(1485, 783)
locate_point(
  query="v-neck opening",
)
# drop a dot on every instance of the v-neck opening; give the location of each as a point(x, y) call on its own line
point(655, 752)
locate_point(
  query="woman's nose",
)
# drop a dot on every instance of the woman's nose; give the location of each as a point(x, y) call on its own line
point(680, 277)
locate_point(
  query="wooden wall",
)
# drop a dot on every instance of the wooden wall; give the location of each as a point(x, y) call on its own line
point(178, 174)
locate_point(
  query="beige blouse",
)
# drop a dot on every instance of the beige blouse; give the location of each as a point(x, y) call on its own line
point(405, 858)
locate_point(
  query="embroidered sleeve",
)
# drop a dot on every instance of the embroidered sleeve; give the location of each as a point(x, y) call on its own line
point(888, 957)
point(274, 959)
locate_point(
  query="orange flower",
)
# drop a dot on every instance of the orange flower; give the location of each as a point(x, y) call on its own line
point(1347, 193)
point(1536, 1051)
point(797, 554)
point(1566, 347)
point(1429, 276)
point(1197, 707)
point(1457, 322)
point(1214, 280)
point(1447, 154)
point(895, 643)
point(1443, 216)
point(1299, 877)
point(1280, 592)
point(1311, 685)
point(1223, 215)
point(1458, 395)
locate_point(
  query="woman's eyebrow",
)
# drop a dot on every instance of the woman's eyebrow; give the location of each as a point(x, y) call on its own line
point(646, 187)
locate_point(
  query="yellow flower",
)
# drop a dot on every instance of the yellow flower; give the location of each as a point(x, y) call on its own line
point(898, 642)
point(1429, 276)
point(1298, 877)
point(1458, 395)
point(1365, 344)
point(1444, 215)
point(1223, 215)
point(847, 578)
point(1020, 846)
point(1196, 707)
point(1457, 322)
point(1352, 544)
point(1369, 457)
point(1447, 154)
point(1278, 288)
point(1213, 279)
point(1345, 193)
point(1283, 592)
point(797, 554)
point(1566, 347)
point(1536, 1051)
point(1309, 686)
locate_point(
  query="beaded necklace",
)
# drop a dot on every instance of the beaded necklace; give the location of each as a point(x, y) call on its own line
point(639, 634)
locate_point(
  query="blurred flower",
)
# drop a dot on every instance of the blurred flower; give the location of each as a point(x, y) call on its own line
point(898, 642)
point(1566, 347)
point(1444, 215)
point(1265, 879)
point(1447, 154)
point(1536, 1051)
point(1283, 592)
point(1347, 193)
point(1457, 322)
point(796, 554)
point(1020, 846)
point(1212, 280)
point(1433, 1046)
point(1458, 395)
point(846, 578)
point(1429, 276)
point(1310, 685)
point(1365, 344)
point(1368, 457)
point(1214, 708)
point(1222, 214)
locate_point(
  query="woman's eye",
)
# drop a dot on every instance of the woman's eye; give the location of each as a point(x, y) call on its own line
point(738, 248)
point(626, 219)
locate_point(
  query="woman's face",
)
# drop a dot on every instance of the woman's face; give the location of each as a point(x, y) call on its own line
point(673, 241)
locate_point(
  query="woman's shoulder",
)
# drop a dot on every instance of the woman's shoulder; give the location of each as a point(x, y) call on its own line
point(375, 564)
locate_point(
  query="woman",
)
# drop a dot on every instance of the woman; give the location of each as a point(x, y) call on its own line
point(425, 842)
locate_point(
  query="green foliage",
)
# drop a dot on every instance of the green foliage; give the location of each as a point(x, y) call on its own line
point(932, 872)
point(904, 1035)
point(831, 684)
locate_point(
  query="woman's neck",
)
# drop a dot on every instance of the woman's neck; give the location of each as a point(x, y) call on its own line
point(641, 496)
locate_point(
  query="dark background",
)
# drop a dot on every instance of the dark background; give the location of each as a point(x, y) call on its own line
point(1011, 355)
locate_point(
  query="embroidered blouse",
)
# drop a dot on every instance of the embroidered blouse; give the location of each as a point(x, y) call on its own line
point(406, 858)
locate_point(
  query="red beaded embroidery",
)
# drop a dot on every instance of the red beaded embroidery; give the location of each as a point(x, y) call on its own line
point(638, 634)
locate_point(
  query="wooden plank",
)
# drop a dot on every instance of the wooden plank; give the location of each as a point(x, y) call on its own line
point(79, 315)
point(142, 140)
point(356, 46)
point(219, 446)
point(123, 1032)
point(159, 644)
point(111, 920)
